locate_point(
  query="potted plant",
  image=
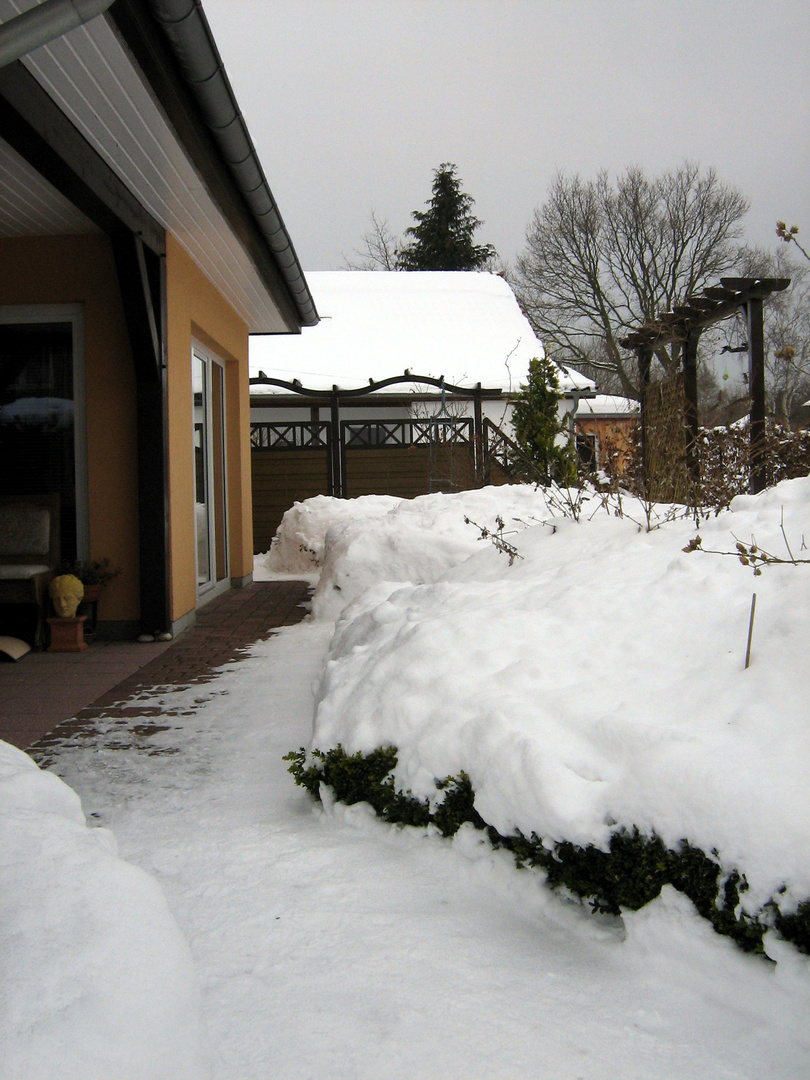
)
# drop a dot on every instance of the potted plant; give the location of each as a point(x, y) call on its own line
point(93, 575)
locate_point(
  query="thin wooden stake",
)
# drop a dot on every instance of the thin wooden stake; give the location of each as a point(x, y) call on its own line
point(750, 630)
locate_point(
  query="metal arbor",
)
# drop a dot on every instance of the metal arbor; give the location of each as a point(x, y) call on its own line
point(442, 433)
point(682, 327)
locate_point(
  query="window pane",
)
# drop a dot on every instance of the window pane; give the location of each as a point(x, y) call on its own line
point(37, 455)
point(199, 390)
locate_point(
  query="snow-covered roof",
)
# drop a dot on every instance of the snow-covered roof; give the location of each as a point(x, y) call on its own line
point(607, 405)
point(465, 326)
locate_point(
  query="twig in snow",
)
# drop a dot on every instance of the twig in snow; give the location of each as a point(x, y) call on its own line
point(784, 534)
point(748, 554)
point(497, 537)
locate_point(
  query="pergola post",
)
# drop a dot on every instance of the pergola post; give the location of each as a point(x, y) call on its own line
point(335, 444)
point(645, 356)
point(690, 393)
point(478, 443)
point(756, 388)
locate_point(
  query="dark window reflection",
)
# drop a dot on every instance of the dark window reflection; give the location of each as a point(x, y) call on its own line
point(36, 418)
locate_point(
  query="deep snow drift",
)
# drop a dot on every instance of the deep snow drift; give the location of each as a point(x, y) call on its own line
point(598, 677)
point(97, 980)
point(595, 680)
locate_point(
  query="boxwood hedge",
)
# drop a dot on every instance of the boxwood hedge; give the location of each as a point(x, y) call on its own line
point(628, 875)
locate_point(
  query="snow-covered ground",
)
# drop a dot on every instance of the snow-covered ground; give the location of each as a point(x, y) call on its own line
point(597, 678)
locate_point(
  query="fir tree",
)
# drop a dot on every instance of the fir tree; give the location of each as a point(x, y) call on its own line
point(537, 427)
point(442, 238)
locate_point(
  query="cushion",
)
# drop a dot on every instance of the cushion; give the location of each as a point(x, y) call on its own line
point(18, 572)
point(24, 529)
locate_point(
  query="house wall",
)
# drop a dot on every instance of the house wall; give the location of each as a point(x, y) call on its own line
point(613, 432)
point(73, 270)
point(196, 311)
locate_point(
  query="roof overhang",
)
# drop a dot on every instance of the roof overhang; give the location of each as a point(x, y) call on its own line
point(102, 126)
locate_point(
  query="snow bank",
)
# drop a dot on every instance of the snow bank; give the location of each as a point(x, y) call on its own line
point(411, 541)
point(97, 980)
point(598, 681)
point(298, 546)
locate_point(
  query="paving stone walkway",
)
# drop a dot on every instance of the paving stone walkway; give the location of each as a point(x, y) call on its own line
point(46, 698)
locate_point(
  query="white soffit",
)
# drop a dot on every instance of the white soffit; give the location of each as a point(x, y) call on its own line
point(95, 83)
point(30, 206)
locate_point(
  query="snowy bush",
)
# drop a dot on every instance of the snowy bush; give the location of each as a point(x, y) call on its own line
point(724, 457)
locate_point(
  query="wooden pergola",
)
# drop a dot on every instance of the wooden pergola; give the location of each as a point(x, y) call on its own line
point(682, 327)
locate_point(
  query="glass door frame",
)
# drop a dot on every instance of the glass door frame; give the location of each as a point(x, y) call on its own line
point(210, 422)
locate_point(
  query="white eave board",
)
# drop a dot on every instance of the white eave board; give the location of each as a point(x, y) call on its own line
point(30, 206)
point(93, 80)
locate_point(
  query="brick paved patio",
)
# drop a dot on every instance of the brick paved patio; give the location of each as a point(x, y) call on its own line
point(44, 694)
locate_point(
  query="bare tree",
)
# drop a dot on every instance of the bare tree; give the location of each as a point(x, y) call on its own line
point(380, 250)
point(603, 258)
point(597, 367)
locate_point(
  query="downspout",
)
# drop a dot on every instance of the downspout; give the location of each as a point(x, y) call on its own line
point(572, 415)
point(45, 23)
point(576, 395)
point(186, 27)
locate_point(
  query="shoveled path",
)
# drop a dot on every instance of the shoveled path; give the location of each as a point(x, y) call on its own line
point(47, 696)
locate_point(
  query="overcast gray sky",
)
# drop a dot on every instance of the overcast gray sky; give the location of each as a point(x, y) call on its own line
point(353, 103)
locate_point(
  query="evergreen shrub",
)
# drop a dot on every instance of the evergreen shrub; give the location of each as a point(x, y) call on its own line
point(546, 456)
point(628, 875)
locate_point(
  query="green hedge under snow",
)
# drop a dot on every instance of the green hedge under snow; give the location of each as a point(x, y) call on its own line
point(628, 875)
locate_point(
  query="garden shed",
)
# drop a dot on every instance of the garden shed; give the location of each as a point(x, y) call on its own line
point(604, 427)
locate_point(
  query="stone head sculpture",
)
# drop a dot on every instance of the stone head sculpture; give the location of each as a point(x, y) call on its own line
point(66, 594)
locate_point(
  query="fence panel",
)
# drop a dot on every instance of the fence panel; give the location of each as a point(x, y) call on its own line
point(292, 461)
point(289, 462)
point(407, 458)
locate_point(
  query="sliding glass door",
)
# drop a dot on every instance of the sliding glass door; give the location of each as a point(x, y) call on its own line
point(210, 503)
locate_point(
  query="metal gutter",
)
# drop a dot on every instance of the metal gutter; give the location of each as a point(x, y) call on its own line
point(45, 23)
point(189, 35)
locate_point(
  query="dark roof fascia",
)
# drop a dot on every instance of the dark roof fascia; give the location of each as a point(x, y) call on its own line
point(164, 59)
point(370, 401)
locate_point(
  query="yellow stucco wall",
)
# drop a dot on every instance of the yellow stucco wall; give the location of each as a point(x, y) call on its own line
point(80, 270)
point(196, 311)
